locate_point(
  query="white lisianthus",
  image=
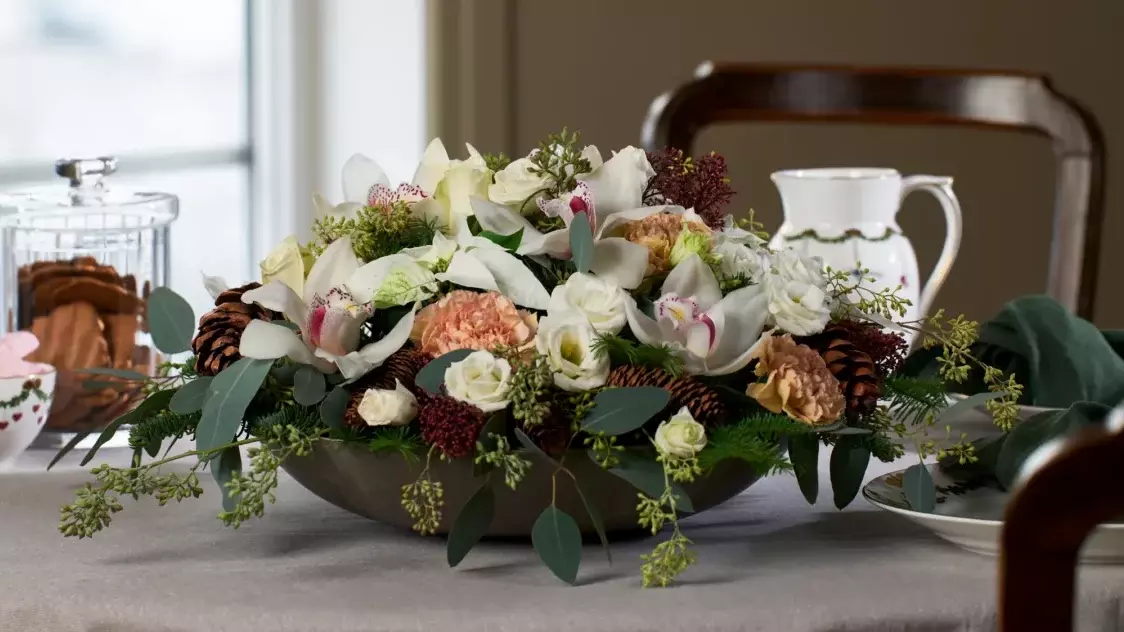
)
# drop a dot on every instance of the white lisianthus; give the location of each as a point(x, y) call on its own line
point(739, 260)
point(600, 301)
point(681, 436)
point(796, 288)
point(567, 342)
point(285, 264)
point(481, 379)
point(388, 407)
point(518, 183)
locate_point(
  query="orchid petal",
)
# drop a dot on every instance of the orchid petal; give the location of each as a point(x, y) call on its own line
point(278, 297)
point(214, 285)
point(341, 211)
point(513, 278)
point(693, 278)
point(646, 329)
point(360, 175)
point(365, 282)
point(466, 270)
point(263, 340)
point(359, 363)
point(618, 220)
point(619, 183)
point(502, 220)
point(745, 312)
point(433, 165)
point(617, 259)
point(332, 268)
point(593, 155)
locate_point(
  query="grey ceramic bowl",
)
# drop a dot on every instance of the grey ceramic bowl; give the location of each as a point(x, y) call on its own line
point(370, 485)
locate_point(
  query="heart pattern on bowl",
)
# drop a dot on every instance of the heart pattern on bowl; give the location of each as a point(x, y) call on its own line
point(3, 425)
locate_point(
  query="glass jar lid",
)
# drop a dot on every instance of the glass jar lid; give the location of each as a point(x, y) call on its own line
point(87, 203)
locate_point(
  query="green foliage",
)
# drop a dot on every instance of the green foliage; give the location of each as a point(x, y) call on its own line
point(308, 386)
point(403, 440)
point(549, 271)
point(531, 383)
point(914, 399)
point(496, 162)
point(307, 420)
point(375, 232)
point(804, 452)
point(192, 396)
point(558, 541)
point(164, 425)
point(672, 556)
point(648, 476)
point(502, 457)
point(333, 406)
point(752, 440)
point(252, 490)
point(1040, 429)
point(170, 321)
point(471, 523)
point(154, 404)
point(622, 351)
point(884, 302)
point(848, 464)
point(919, 488)
point(423, 500)
point(559, 159)
point(232, 390)
point(581, 242)
point(508, 242)
point(603, 449)
point(618, 411)
point(680, 469)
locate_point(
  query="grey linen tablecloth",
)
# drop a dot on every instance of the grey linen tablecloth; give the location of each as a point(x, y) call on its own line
point(767, 561)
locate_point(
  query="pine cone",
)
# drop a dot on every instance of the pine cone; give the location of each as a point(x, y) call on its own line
point(705, 404)
point(220, 330)
point(853, 367)
point(403, 365)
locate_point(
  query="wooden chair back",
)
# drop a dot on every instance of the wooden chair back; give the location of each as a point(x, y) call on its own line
point(1047, 521)
point(1023, 102)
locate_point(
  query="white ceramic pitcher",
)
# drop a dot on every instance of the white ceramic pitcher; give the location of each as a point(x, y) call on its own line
point(848, 216)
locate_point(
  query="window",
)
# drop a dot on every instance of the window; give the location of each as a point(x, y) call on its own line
point(161, 85)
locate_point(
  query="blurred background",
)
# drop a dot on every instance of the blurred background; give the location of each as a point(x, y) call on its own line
point(244, 108)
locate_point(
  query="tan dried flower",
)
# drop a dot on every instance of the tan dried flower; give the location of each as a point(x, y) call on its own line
point(798, 382)
point(659, 232)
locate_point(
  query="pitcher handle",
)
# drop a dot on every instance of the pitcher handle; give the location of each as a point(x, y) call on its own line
point(941, 188)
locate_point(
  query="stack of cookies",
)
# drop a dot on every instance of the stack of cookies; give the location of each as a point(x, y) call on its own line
point(85, 315)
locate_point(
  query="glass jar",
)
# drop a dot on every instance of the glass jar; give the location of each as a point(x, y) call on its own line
point(79, 264)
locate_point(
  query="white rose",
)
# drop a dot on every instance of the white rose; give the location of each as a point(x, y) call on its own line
point(797, 291)
point(388, 407)
point(285, 264)
point(481, 379)
point(601, 302)
point(681, 436)
point(567, 342)
point(516, 183)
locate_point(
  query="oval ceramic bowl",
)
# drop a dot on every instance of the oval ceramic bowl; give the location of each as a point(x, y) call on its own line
point(977, 422)
point(370, 485)
point(972, 519)
point(24, 404)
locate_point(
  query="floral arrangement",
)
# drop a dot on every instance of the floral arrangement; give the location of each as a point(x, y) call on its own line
point(524, 313)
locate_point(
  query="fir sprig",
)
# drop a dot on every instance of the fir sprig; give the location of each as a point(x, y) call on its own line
point(403, 440)
point(622, 351)
point(753, 440)
point(914, 399)
point(164, 425)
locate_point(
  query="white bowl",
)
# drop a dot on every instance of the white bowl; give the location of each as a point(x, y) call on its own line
point(24, 404)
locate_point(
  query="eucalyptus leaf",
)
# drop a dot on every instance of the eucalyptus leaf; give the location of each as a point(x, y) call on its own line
point(968, 403)
point(508, 242)
point(223, 469)
point(308, 386)
point(558, 541)
point(804, 452)
point(155, 403)
point(432, 376)
point(334, 406)
point(919, 488)
point(1029, 435)
point(581, 242)
point(191, 397)
point(848, 465)
point(648, 476)
point(285, 373)
point(617, 411)
point(68, 448)
point(232, 390)
point(170, 321)
point(471, 523)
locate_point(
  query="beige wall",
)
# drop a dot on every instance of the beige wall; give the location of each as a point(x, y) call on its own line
point(595, 65)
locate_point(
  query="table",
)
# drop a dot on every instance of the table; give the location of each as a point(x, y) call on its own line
point(767, 562)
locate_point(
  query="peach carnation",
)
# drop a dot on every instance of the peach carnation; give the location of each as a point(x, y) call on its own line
point(472, 320)
point(798, 382)
point(659, 232)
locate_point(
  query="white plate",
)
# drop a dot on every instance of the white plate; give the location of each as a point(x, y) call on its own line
point(973, 519)
point(977, 422)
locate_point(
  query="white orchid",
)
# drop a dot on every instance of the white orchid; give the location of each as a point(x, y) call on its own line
point(478, 263)
point(366, 184)
point(338, 298)
point(714, 335)
point(610, 196)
